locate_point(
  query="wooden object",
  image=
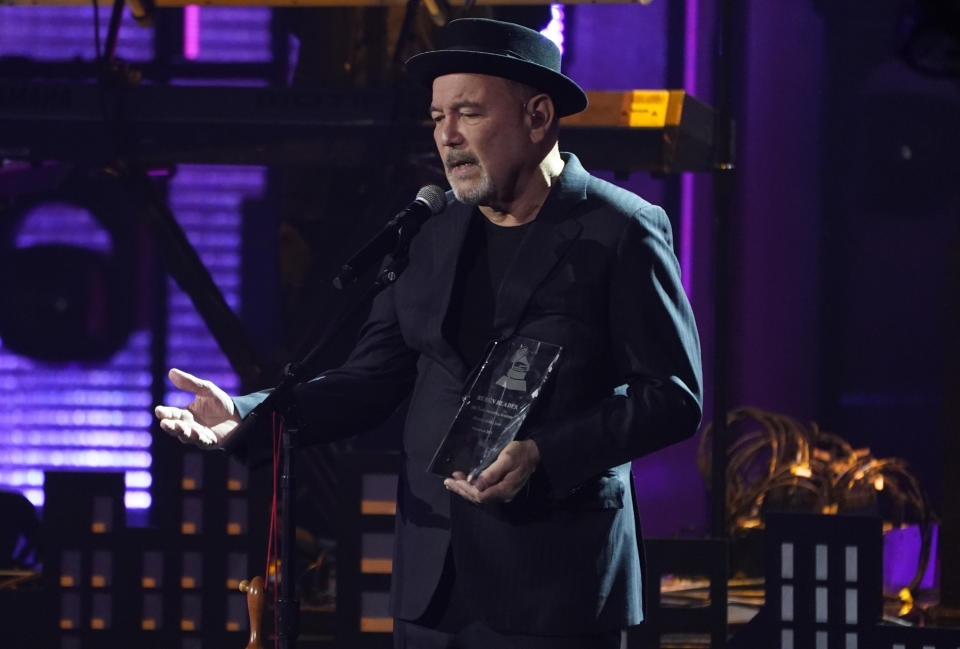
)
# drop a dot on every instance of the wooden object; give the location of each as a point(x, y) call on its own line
point(254, 591)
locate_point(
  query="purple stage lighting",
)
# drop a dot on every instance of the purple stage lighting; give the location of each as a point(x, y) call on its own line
point(554, 29)
point(84, 416)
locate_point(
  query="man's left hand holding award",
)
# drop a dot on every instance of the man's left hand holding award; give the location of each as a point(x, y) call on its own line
point(503, 479)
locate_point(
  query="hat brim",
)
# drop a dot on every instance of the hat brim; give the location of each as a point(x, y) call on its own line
point(567, 95)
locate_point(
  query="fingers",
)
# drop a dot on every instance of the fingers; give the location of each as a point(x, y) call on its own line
point(166, 412)
point(186, 382)
point(500, 481)
point(189, 432)
point(464, 489)
point(511, 458)
point(489, 485)
point(496, 472)
point(171, 412)
point(180, 423)
point(500, 492)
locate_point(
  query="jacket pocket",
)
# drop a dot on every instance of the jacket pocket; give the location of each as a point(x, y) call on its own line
point(606, 491)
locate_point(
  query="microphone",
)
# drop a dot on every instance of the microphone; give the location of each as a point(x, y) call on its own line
point(430, 200)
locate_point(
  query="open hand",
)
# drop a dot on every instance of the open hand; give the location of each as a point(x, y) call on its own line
point(207, 422)
point(500, 481)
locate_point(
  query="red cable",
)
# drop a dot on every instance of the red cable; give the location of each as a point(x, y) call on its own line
point(276, 539)
point(273, 541)
point(273, 507)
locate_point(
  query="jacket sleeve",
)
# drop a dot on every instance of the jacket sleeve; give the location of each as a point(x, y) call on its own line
point(363, 392)
point(656, 351)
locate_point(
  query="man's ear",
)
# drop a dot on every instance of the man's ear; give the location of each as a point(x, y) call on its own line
point(541, 113)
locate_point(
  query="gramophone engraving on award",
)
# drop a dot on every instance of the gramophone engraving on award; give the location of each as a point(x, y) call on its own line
point(505, 386)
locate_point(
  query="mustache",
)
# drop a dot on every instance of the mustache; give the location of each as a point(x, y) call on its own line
point(456, 158)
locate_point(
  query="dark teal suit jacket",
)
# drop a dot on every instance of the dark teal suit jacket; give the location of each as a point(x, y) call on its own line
point(595, 273)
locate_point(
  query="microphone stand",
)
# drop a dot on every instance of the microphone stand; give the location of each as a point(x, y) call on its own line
point(281, 400)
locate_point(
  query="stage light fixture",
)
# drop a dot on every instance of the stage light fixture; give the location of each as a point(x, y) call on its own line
point(61, 300)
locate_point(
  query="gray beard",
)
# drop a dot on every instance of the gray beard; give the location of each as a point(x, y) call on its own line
point(481, 194)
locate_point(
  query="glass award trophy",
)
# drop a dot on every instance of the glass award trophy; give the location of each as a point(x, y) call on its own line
point(504, 387)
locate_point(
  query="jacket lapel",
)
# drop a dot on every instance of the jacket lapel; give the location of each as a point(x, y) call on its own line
point(550, 235)
point(448, 239)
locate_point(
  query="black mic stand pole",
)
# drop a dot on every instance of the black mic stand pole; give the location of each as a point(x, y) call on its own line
point(281, 400)
point(724, 190)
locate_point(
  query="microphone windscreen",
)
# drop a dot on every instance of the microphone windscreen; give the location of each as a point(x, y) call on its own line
point(433, 197)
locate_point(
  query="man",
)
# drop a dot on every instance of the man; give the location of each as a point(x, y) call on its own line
point(541, 550)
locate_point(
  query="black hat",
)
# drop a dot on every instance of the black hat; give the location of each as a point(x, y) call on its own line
point(501, 49)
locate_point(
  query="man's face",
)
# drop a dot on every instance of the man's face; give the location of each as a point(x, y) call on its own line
point(479, 131)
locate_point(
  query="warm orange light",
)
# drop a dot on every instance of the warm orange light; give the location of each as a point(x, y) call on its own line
point(907, 598)
point(376, 624)
point(378, 507)
point(376, 566)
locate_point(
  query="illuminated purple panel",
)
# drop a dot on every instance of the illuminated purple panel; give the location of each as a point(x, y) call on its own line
point(46, 424)
point(69, 378)
point(35, 496)
point(234, 34)
point(207, 202)
point(137, 499)
point(79, 398)
point(138, 479)
point(901, 556)
point(79, 438)
point(98, 418)
point(226, 218)
point(66, 33)
point(55, 458)
point(21, 477)
point(72, 417)
point(54, 223)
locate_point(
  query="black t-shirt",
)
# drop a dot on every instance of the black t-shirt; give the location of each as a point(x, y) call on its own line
point(486, 255)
